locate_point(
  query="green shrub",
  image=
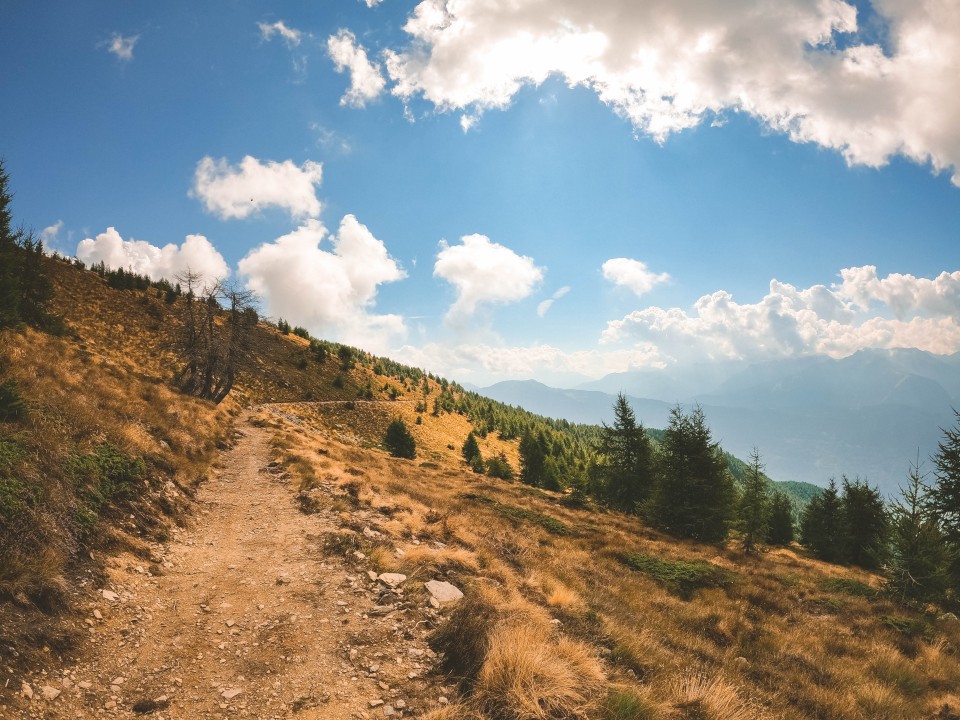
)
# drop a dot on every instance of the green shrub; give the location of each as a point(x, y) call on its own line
point(106, 475)
point(624, 704)
point(683, 577)
point(15, 497)
point(517, 514)
point(848, 587)
point(12, 407)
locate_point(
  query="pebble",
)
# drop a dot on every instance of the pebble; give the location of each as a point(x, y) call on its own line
point(230, 693)
point(50, 693)
point(26, 691)
point(109, 595)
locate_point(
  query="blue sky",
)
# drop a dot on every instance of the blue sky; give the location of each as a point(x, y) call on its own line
point(650, 167)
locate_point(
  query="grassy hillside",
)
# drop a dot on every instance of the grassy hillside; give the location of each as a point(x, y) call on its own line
point(569, 612)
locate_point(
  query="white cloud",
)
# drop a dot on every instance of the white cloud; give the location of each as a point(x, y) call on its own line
point(482, 363)
point(291, 36)
point(239, 191)
point(798, 66)
point(122, 46)
point(50, 233)
point(366, 80)
point(484, 272)
point(837, 321)
point(195, 254)
point(632, 274)
point(329, 293)
point(371, 3)
point(545, 305)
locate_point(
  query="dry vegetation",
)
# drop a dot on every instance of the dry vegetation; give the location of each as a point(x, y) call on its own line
point(569, 613)
point(562, 621)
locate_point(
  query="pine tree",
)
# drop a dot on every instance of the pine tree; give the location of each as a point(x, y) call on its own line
point(754, 515)
point(918, 568)
point(781, 530)
point(471, 450)
point(945, 494)
point(532, 458)
point(695, 494)
point(625, 469)
point(398, 440)
point(10, 276)
point(865, 524)
point(821, 527)
point(25, 289)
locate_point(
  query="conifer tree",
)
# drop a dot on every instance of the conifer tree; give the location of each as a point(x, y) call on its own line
point(625, 468)
point(754, 510)
point(945, 494)
point(781, 531)
point(918, 568)
point(821, 527)
point(25, 289)
point(865, 524)
point(532, 458)
point(471, 450)
point(695, 494)
point(398, 440)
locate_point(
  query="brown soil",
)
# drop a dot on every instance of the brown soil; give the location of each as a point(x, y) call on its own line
point(244, 614)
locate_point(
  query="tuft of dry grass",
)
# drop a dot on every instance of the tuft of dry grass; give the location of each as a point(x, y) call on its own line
point(699, 697)
point(528, 676)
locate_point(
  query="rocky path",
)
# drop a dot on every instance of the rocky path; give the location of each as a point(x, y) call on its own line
point(242, 615)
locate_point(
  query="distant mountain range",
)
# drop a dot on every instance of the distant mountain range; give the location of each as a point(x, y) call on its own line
point(812, 418)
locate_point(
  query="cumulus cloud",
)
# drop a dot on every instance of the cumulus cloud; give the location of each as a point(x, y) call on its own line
point(545, 305)
point(366, 80)
point(195, 254)
point(50, 233)
point(633, 275)
point(482, 272)
point(291, 36)
point(331, 293)
point(803, 68)
point(239, 191)
point(837, 320)
point(122, 46)
point(371, 3)
point(482, 362)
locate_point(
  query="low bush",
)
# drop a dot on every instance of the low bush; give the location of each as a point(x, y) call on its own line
point(683, 577)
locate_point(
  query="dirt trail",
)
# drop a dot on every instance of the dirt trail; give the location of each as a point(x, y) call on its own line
point(248, 618)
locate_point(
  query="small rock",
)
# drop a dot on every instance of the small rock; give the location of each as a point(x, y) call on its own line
point(400, 704)
point(948, 617)
point(230, 623)
point(26, 691)
point(388, 710)
point(230, 693)
point(442, 700)
point(443, 592)
point(98, 615)
point(85, 684)
point(50, 693)
point(376, 703)
point(109, 595)
point(118, 680)
point(372, 575)
point(391, 579)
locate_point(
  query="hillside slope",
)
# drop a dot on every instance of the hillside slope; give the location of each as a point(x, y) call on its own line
point(258, 593)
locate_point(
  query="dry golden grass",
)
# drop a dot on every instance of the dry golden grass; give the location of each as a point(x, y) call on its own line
point(698, 697)
point(529, 676)
point(780, 641)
